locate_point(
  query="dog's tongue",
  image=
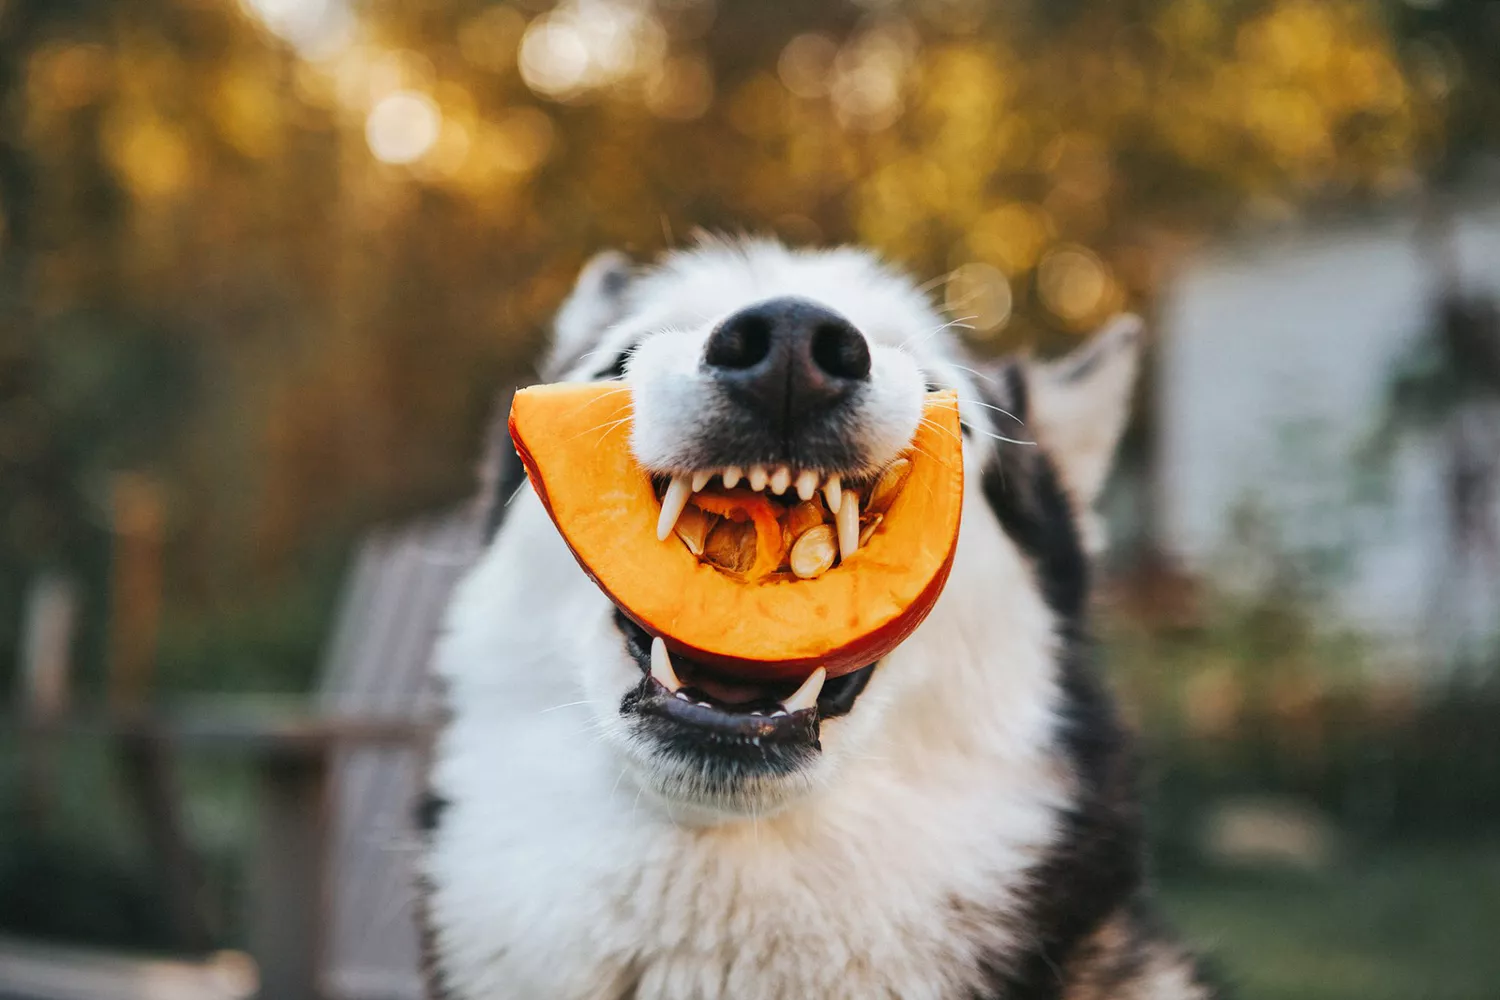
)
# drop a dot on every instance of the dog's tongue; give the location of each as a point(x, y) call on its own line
point(730, 692)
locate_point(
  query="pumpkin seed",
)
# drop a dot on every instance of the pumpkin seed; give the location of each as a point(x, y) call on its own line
point(731, 546)
point(799, 519)
point(692, 528)
point(813, 553)
point(867, 526)
point(888, 486)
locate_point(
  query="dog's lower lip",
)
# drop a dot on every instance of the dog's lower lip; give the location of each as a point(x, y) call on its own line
point(836, 697)
point(718, 722)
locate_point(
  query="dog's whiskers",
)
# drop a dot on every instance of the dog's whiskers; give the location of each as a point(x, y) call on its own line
point(922, 338)
point(559, 708)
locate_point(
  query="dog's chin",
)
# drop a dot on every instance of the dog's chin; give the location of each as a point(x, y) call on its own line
point(721, 748)
point(703, 792)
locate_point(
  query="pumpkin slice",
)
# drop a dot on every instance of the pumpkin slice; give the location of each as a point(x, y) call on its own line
point(755, 617)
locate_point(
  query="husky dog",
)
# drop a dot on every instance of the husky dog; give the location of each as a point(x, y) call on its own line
point(957, 820)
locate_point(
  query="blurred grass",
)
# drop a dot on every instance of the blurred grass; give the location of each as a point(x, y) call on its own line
point(1393, 923)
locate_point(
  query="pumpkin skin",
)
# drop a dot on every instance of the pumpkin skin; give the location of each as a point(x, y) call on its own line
point(574, 439)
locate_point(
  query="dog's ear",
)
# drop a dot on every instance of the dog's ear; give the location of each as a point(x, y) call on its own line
point(1079, 405)
point(597, 300)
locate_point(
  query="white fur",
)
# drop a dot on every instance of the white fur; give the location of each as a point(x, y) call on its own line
point(563, 868)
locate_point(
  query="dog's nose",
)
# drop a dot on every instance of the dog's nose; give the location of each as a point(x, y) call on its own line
point(788, 357)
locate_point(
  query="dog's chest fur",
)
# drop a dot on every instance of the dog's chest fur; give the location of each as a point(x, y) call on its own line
point(553, 876)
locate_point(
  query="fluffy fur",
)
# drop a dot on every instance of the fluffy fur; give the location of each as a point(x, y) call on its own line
point(968, 830)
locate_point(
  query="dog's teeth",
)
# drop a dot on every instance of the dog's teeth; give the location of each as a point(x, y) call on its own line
point(757, 477)
point(700, 480)
point(778, 713)
point(682, 695)
point(806, 696)
point(757, 712)
point(781, 480)
point(848, 524)
point(833, 492)
point(732, 477)
point(672, 503)
point(661, 666)
point(807, 485)
point(702, 704)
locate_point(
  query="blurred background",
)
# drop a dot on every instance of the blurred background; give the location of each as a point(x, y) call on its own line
point(266, 264)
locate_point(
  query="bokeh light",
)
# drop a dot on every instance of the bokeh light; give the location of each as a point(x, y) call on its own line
point(979, 298)
point(521, 140)
point(489, 39)
point(870, 75)
point(584, 45)
point(806, 64)
point(318, 28)
point(681, 89)
point(1073, 283)
point(1012, 236)
point(402, 127)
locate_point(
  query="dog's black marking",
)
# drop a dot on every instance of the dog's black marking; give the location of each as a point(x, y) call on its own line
point(1096, 865)
point(428, 812)
point(434, 981)
point(616, 368)
point(1033, 507)
point(512, 475)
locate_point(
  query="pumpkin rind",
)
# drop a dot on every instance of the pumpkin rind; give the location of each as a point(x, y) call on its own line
point(574, 439)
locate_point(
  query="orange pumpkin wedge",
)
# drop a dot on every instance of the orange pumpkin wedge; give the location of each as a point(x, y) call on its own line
point(763, 624)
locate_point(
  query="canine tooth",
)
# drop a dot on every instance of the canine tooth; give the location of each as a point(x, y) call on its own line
point(807, 484)
point(833, 492)
point(661, 666)
point(848, 523)
point(757, 477)
point(672, 503)
point(732, 476)
point(700, 480)
point(781, 480)
point(806, 696)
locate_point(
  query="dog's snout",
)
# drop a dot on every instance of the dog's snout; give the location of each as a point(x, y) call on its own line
point(786, 357)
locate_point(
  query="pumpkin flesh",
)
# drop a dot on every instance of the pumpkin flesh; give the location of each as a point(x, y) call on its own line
point(764, 623)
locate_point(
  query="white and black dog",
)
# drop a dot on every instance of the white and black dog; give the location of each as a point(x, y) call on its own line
point(958, 820)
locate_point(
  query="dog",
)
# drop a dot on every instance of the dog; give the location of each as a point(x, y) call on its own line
point(960, 819)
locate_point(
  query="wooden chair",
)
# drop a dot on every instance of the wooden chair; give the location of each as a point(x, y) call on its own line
point(331, 896)
point(378, 669)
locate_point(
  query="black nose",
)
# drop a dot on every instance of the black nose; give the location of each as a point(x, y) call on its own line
point(786, 358)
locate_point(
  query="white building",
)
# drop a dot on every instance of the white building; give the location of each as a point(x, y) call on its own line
point(1276, 355)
